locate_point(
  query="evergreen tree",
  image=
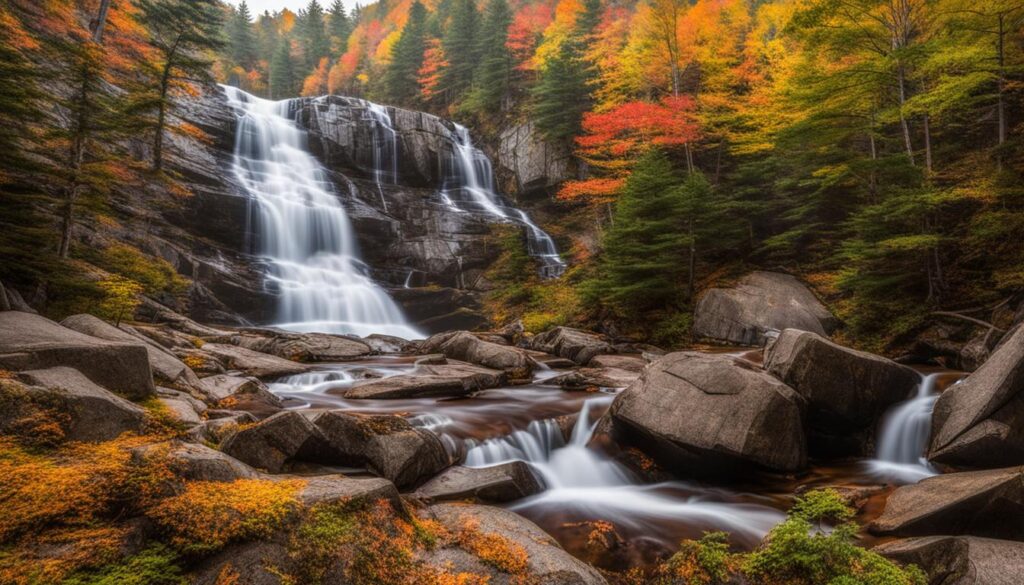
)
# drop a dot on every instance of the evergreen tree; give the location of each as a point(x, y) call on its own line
point(460, 48)
point(339, 27)
point(401, 79)
point(182, 32)
point(491, 79)
point(315, 43)
point(282, 71)
point(563, 93)
point(241, 39)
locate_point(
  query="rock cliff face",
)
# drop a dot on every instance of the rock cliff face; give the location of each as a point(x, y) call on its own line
point(423, 240)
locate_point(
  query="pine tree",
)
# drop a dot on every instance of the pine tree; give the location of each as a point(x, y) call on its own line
point(339, 27)
point(401, 78)
point(282, 71)
point(460, 48)
point(241, 39)
point(491, 79)
point(315, 43)
point(181, 32)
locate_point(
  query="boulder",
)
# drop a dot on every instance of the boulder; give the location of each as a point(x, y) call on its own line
point(408, 386)
point(980, 421)
point(473, 377)
point(495, 484)
point(385, 344)
point(759, 303)
point(621, 362)
point(243, 392)
point(584, 378)
point(463, 345)
point(705, 413)
point(181, 410)
point(166, 367)
point(847, 391)
point(980, 503)
point(215, 430)
point(274, 443)
point(194, 462)
point(253, 363)
point(960, 560)
point(31, 342)
point(84, 411)
point(11, 300)
point(546, 561)
point(387, 444)
point(321, 489)
point(300, 347)
point(574, 344)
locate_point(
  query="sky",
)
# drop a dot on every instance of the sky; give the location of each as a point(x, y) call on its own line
point(257, 7)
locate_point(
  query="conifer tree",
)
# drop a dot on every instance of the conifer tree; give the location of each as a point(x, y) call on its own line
point(315, 43)
point(401, 79)
point(241, 39)
point(491, 79)
point(460, 45)
point(339, 27)
point(282, 71)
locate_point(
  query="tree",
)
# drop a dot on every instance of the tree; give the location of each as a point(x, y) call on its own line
point(182, 33)
point(492, 76)
point(282, 71)
point(315, 43)
point(401, 80)
point(339, 27)
point(241, 39)
point(460, 45)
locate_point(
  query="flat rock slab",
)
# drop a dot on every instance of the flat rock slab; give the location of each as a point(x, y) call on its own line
point(590, 377)
point(960, 560)
point(195, 462)
point(301, 347)
point(759, 303)
point(495, 484)
point(338, 488)
point(408, 386)
point(31, 342)
point(574, 344)
point(979, 503)
point(621, 362)
point(464, 346)
point(254, 363)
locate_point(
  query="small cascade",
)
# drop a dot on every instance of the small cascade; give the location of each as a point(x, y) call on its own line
point(385, 148)
point(534, 445)
point(904, 435)
point(303, 230)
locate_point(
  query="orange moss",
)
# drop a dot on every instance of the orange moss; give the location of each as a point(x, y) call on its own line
point(492, 548)
point(66, 551)
point(206, 516)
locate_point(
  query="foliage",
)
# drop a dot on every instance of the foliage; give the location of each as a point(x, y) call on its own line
point(121, 296)
point(156, 565)
point(492, 548)
point(701, 562)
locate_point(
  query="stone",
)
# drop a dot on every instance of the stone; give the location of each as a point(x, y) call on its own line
point(215, 430)
point(244, 392)
point(386, 344)
point(408, 386)
point(84, 410)
point(326, 489)
point(166, 367)
point(759, 302)
point(547, 562)
point(535, 164)
point(473, 377)
point(464, 346)
point(495, 484)
point(181, 410)
point(387, 444)
point(11, 300)
point(960, 560)
point(194, 462)
point(574, 344)
point(979, 503)
point(276, 442)
point(584, 378)
point(253, 363)
point(32, 342)
point(300, 347)
point(979, 423)
point(710, 414)
point(622, 362)
point(847, 391)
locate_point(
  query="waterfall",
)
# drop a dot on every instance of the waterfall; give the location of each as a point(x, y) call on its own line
point(904, 435)
point(385, 148)
point(304, 232)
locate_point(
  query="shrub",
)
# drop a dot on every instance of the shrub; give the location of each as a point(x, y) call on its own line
point(701, 562)
point(156, 565)
point(121, 296)
point(155, 275)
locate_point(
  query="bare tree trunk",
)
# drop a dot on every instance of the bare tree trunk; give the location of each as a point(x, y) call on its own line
point(903, 118)
point(693, 263)
point(161, 119)
point(873, 177)
point(100, 22)
point(927, 146)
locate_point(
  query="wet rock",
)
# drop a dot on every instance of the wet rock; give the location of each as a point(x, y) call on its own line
point(574, 344)
point(496, 484)
point(473, 377)
point(760, 302)
point(621, 362)
point(546, 561)
point(710, 414)
point(584, 378)
point(253, 363)
point(299, 347)
point(387, 444)
point(556, 363)
point(980, 503)
point(960, 560)
point(847, 390)
point(194, 462)
point(463, 345)
point(243, 392)
point(980, 421)
point(166, 367)
point(385, 344)
point(31, 342)
point(408, 386)
point(84, 410)
point(276, 442)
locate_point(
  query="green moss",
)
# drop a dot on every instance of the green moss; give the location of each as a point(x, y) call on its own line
point(156, 565)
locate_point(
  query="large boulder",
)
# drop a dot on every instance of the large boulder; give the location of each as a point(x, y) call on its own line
point(83, 410)
point(980, 421)
point(574, 344)
point(463, 345)
point(960, 560)
point(708, 414)
point(847, 391)
point(193, 461)
point(301, 347)
point(253, 363)
point(980, 503)
point(409, 386)
point(276, 442)
point(496, 484)
point(622, 362)
point(584, 378)
point(31, 342)
point(761, 302)
point(485, 530)
point(321, 489)
point(387, 444)
point(239, 392)
point(166, 367)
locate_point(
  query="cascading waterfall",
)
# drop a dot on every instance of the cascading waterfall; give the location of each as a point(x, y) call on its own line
point(904, 436)
point(385, 148)
point(304, 232)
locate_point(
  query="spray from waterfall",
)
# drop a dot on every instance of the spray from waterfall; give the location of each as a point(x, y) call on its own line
point(303, 230)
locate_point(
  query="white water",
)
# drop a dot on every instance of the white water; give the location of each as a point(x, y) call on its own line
point(304, 232)
point(579, 479)
point(904, 436)
point(385, 148)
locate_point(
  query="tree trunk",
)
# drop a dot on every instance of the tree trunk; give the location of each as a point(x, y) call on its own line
point(161, 119)
point(75, 157)
point(903, 118)
point(873, 177)
point(100, 22)
point(927, 146)
point(693, 263)
point(1000, 85)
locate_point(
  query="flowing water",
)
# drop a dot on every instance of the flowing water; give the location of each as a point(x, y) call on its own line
point(303, 230)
